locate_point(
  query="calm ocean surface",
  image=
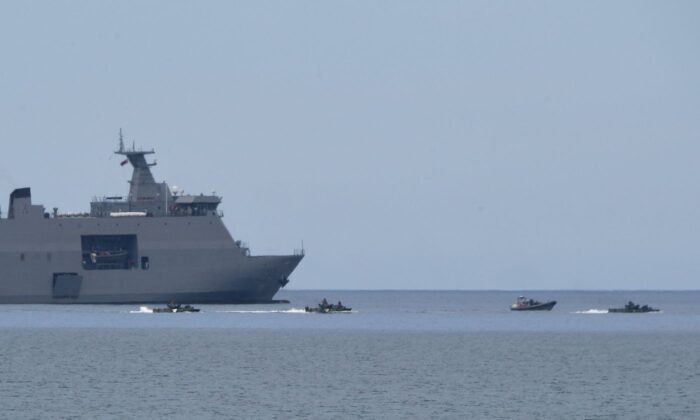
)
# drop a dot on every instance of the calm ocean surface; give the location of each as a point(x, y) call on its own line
point(398, 355)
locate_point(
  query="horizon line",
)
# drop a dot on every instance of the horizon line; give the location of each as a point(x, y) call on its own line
point(496, 290)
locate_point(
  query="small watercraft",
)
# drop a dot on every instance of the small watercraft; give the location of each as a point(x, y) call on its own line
point(524, 304)
point(326, 308)
point(633, 308)
point(175, 308)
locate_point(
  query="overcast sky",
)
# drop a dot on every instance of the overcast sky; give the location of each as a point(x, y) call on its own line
point(418, 145)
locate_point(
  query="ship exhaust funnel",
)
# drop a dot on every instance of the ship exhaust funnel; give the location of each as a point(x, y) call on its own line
point(20, 199)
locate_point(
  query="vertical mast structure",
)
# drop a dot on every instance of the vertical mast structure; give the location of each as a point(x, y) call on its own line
point(143, 187)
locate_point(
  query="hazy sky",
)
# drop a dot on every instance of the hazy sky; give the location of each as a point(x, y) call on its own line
point(432, 144)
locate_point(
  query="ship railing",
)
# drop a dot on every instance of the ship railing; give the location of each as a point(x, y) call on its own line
point(299, 252)
point(71, 214)
point(109, 199)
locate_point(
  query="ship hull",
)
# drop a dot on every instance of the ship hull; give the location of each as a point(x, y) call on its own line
point(188, 259)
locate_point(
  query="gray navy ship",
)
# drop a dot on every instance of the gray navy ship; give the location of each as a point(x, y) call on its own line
point(155, 246)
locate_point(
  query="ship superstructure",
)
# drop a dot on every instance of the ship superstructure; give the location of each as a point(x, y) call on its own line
point(155, 245)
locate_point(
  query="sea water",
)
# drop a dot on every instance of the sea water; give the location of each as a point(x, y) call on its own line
point(412, 354)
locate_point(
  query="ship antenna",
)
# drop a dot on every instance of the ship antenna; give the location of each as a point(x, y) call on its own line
point(121, 140)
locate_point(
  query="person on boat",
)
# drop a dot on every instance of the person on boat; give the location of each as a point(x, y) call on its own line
point(324, 303)
point(340, 304)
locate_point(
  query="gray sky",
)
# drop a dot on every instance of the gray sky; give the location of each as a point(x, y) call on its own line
point(459, 145)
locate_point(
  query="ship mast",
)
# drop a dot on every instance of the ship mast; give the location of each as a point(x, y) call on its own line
point(143, 185)
point(121, 140)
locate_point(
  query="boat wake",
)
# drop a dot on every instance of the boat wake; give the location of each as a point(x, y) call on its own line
point(592, 312)
point(285, 311)
point(142, 310)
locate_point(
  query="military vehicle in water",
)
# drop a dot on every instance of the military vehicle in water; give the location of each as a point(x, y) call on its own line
point(633, 308)
point(328, 308)
point(155, 246)
point(175, 308)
